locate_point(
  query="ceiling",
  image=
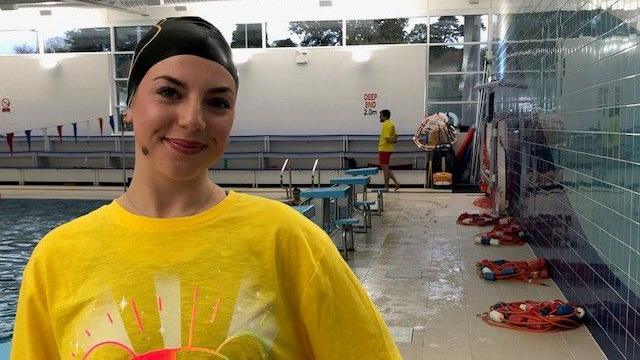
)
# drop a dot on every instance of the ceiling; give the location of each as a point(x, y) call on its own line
point(130, 6)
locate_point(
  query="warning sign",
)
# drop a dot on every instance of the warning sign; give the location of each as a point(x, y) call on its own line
point(6, 105)
point(370, 104)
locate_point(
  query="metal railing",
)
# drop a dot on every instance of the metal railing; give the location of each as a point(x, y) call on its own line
point(313, 173)
point(288, 189)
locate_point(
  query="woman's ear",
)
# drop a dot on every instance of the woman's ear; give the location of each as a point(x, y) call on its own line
point(126, 117)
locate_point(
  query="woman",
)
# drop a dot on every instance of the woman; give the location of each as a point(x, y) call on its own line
point(177, 269)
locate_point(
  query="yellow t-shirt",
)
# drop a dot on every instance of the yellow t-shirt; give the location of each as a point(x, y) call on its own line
point(249, 278)
point(388, 130)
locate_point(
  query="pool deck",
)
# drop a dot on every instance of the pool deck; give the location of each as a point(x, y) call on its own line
point(112, 192)
point(95, 192)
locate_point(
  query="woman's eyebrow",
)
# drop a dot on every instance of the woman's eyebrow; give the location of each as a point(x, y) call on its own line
point(219, 90)
point(213, 90)
point(171, 80)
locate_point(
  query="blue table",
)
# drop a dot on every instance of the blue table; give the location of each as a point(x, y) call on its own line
point(326, 194)
point(363, 171)
point(4, 351)
point(306, 210)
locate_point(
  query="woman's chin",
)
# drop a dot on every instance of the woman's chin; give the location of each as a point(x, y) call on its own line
point(179, 168)
point(180, 171)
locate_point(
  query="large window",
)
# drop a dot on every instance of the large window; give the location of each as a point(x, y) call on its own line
point(128, 37)
point(455, 87)
point(127, 126)
point(78, 40)
point(247, 36)
point(454, 29)
point(121, 93)
point(387, 31)
point(525, 56)
point(574, 24)
point(458, 45)
point(18, 42)
point(123, 64)
point(304, 33)
point(466, 112)
point(456, 58)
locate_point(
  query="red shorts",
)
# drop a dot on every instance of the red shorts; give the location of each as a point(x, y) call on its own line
point(383, 157)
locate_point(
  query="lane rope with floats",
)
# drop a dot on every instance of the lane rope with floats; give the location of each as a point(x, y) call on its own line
point(531, 316)
point(476, 219)
point(534, 316)
point(507, 231)
point(532, 271)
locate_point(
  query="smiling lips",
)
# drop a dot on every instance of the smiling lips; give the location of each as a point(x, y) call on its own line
point(184, 146)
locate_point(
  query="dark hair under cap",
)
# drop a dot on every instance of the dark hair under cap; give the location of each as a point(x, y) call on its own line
point(189, 35)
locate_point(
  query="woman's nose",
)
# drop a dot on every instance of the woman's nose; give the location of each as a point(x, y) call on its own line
point(191, 116)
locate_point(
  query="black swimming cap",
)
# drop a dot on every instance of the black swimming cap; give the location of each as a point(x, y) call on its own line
point(189, 35)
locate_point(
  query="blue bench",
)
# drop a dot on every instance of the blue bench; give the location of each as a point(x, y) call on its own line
point(326, 194)
point(354, 181)
point(307, 210)
point(363, 171)
point(380, 204)
point(378, 208)
point(346, 225)
point(351, 180)
point(333, 192)
point(365, 208)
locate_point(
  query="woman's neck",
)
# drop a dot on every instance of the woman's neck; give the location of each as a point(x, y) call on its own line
point(154, 196)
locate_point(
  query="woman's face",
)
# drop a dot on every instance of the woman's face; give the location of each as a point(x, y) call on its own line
point(182, 113)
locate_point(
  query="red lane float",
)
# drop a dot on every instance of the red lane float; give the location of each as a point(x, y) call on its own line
point(533, 271)
point(534, 316)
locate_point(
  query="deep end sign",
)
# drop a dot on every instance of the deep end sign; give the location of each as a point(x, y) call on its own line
point(370, 104)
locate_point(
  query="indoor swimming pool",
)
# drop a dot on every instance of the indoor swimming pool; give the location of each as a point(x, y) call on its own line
point(23, 222)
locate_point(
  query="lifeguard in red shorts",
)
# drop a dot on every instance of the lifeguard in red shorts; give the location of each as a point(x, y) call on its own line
point(386, 146)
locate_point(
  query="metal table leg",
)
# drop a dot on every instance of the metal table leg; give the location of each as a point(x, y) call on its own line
point(326, 221)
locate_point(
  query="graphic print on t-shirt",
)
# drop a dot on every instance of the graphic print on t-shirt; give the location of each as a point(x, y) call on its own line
point(111, 328)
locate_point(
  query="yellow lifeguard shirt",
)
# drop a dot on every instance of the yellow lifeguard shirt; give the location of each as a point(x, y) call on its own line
point(388, 130)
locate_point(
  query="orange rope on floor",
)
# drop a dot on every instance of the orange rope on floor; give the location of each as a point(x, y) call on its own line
point(484, 202)
point(476, 219)
point(533, 316)
point(507, 231)
point(533, 271)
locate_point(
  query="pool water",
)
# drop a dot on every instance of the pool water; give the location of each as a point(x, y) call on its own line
point(4, 351)
point(23, 222)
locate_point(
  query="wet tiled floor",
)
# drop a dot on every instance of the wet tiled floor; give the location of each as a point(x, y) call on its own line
point(419, 268)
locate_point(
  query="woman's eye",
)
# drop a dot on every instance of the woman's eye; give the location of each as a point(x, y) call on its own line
point(219, 104)
point(168, 93)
